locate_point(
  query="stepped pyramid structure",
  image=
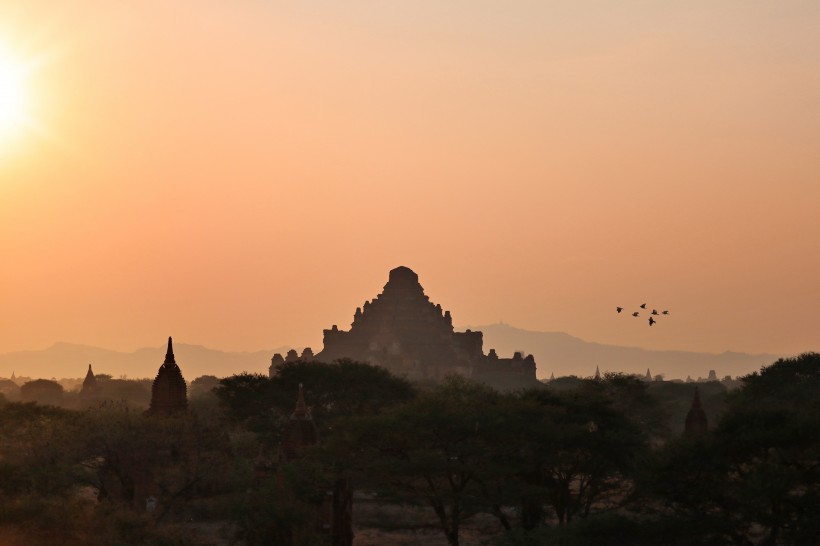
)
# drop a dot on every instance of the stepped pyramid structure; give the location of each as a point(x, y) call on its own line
point(403, 331)
point(169, 393)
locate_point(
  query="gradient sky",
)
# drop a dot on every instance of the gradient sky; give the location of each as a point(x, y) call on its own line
point(244, 174)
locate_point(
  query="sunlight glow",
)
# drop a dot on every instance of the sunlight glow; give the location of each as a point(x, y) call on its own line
point(13, 95)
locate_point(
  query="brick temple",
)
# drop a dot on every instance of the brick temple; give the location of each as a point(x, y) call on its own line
point(403, 331)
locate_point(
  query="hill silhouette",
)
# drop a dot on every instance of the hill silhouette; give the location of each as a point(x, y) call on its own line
point(555, 352)
point(71, 360)
point(563, 354)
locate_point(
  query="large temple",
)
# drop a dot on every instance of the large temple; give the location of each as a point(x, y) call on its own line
point(403, 331)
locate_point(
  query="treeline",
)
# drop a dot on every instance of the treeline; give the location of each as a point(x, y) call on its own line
point(575, 463)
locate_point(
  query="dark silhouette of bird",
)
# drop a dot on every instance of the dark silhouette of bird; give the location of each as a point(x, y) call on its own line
point(665, 313)
point(643, 306)
point(652, 321)
point(654, 311)
point(619, 309)
point(635, 314)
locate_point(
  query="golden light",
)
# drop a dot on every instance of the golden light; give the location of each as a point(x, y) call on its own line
point(14, 113)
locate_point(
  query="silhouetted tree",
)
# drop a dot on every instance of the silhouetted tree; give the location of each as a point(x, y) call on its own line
point(42, 391)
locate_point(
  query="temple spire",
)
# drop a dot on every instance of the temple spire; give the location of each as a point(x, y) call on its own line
point(301, 411)
point(90, 381)
point(597, 374)
point(169, 354)
point(169, 392)
point(696, 421)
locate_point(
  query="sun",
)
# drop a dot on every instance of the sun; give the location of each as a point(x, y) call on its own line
point(13, 94)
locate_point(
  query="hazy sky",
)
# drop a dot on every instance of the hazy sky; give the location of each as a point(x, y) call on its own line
point(244, 174)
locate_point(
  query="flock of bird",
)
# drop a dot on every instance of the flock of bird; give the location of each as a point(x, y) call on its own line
point(652, 315)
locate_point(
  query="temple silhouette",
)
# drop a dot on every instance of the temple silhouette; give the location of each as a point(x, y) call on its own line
point(403, 331)
point(169, 393)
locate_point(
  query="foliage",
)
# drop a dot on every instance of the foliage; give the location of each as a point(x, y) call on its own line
point(42, 391)
point(332, 391)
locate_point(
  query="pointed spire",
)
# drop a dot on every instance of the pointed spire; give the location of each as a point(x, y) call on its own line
point(696, 399)
point(90, 381)
point(552, 376)
point(597, 374)
point(169, 354)
point(696, 421)
point(301, 411)
point(648, 375)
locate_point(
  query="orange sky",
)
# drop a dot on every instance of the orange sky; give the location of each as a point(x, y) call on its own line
point(244, 174)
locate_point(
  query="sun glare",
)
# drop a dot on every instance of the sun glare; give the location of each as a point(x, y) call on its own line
point(13, 107)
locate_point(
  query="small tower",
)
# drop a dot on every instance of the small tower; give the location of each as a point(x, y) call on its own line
point(169, 394)
point(648, 376)
point(89, 383)
point(597, 374)
point(696, 422)
point(300, 432)
point(275, 361)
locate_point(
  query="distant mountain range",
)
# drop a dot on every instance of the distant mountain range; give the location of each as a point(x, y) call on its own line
point(563, 354)
point(555, 352)
point(71, 360)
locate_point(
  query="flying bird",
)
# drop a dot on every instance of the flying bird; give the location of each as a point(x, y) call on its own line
point(643, 306)
point(665, 313)
point(652, 321)
point(635, 314)
point(619, 309)
point(654, 311)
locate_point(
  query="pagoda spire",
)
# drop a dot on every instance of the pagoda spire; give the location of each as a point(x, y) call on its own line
point(301, 411)
point(696, 422)
point(90, 381)
point(597, 374)
point(169, 354)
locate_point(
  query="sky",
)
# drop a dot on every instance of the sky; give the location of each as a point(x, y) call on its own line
point(244, 174)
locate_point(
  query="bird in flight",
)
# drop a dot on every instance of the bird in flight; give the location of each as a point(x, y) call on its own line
point(665, 313)
point(654, 311)
point(652, 321)
point(619, 309)
point(635, 314)
point(643, 306)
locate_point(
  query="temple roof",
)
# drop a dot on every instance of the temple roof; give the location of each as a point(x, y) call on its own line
point(169, 393)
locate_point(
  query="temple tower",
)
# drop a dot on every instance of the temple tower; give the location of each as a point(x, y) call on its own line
point(300, 432)
point(169, 394)
point(696, 422)
point(89, 383)
point(402, 330)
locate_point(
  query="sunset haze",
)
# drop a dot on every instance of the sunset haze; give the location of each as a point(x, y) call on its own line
point(242, 175)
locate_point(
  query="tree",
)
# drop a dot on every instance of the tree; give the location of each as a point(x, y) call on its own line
point(582, 452)
point(42, 391)
point(755, 479)
point(435, 449)
point(345, 388)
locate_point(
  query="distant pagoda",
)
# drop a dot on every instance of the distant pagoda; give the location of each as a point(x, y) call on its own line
point(696, 422)
point(89, 383)
point(169, 393)
point(403, 331)
point(300, 431)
